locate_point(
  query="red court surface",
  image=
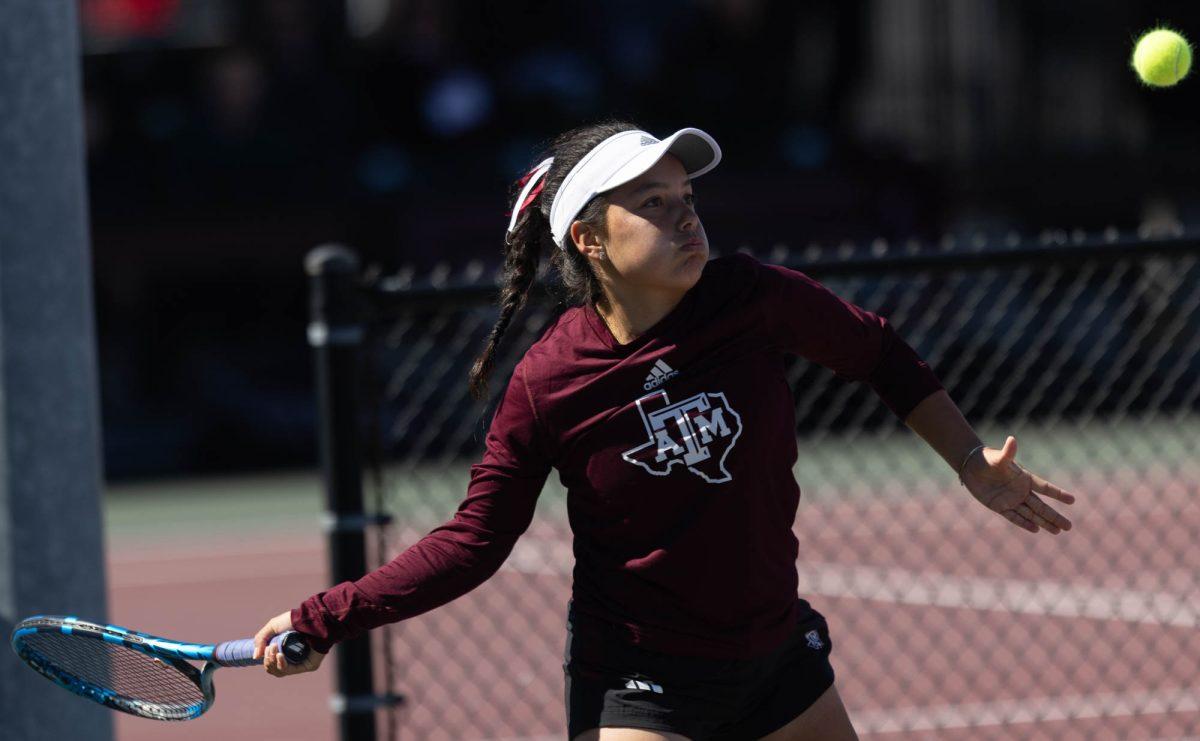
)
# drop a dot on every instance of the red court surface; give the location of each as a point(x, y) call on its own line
point(216, 591)
point(947, 623)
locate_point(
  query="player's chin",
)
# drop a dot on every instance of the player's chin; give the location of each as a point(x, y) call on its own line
point(692, 262)
point(688, 273)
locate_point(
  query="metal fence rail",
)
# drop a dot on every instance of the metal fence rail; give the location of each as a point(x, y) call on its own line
point(946, 619)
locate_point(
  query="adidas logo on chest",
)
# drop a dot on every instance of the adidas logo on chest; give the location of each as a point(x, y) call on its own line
point(660, 373)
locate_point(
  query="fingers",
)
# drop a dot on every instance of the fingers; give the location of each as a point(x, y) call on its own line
point(269, 658)
point(1033, 514)
point(1041, 486)
point(265, 634)
point(1028, 511)
point(1046, 515)
point(1053, 521)
point(1010, 448)
point(276, 625)
point(1016, 519)
point(1004, 458)
point(277, 665)
point(1008, 453)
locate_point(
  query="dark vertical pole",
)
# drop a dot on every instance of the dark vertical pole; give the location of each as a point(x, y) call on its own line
point(335, 332)
point(51, 531)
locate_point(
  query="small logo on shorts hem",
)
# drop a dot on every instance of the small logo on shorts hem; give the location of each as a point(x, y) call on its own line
point(637, 684)
point(814, 639)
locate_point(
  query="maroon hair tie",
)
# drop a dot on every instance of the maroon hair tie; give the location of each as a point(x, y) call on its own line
point(531, 184)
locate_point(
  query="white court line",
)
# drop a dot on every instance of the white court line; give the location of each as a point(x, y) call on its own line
point(1034, 710)
point(904, 586)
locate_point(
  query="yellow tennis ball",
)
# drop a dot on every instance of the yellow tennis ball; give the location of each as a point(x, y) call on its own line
point(1162, 57)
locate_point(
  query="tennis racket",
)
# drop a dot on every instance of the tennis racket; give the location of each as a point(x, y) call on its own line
point(134, 672)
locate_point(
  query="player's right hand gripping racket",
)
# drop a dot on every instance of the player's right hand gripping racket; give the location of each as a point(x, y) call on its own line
point(134, 672)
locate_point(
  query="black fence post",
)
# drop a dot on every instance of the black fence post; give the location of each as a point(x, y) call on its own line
point(335, 332)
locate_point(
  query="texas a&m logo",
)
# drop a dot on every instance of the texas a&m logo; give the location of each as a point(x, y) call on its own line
point(697, 432)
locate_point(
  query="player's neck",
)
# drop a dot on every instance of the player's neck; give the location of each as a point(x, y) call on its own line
point(628, 316)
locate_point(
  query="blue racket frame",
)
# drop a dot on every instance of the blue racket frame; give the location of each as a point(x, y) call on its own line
point(175, 653)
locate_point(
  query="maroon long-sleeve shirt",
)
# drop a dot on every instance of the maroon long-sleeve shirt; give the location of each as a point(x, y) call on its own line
point(676, 451)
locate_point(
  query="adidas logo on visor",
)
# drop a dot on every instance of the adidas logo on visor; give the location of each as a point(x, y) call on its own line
point(647, 141)
point(660, 373)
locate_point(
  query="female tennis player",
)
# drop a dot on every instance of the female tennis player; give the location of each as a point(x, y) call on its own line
point(660, 397)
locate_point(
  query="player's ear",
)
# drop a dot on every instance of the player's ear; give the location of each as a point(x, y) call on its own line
point(585, 237)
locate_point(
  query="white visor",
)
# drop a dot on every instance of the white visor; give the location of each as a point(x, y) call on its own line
point(621, 158)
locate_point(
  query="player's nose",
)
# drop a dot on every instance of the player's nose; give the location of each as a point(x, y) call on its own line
point(688, 220)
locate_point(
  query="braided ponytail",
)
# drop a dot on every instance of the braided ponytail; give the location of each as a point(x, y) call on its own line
point(523, 251)
point(530, 237)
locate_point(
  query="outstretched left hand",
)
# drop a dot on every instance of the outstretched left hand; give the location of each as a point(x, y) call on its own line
point(997, 481)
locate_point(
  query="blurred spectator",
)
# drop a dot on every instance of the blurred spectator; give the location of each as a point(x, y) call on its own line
point(234, 91)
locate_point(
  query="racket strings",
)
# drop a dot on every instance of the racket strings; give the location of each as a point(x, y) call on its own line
point(123, 670)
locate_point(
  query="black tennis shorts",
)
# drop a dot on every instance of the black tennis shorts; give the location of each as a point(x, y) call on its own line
point(612, 684)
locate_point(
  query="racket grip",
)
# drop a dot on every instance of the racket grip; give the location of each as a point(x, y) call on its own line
point(240, 653)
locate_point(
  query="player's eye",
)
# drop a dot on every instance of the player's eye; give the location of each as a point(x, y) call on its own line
point(689, 198)
point(652, 202)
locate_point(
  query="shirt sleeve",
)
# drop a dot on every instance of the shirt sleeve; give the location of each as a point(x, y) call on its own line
point(459, 555)
point(805, 318)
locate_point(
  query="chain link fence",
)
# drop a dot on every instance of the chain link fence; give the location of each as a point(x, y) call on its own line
point(948, 622)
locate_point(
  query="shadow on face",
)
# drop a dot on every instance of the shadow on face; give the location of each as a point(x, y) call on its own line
point(654, 237)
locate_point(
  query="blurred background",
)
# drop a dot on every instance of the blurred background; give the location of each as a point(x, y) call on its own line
point(864, 141)
point(227, 138)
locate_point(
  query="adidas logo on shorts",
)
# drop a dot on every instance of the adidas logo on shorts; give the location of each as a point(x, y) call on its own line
point(660, 373)
point(637, 684)
point(814, 640)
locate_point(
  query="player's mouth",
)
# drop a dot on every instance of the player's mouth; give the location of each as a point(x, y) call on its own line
point(692, 245)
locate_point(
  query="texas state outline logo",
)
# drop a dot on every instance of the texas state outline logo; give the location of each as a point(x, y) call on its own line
point(697, 432)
